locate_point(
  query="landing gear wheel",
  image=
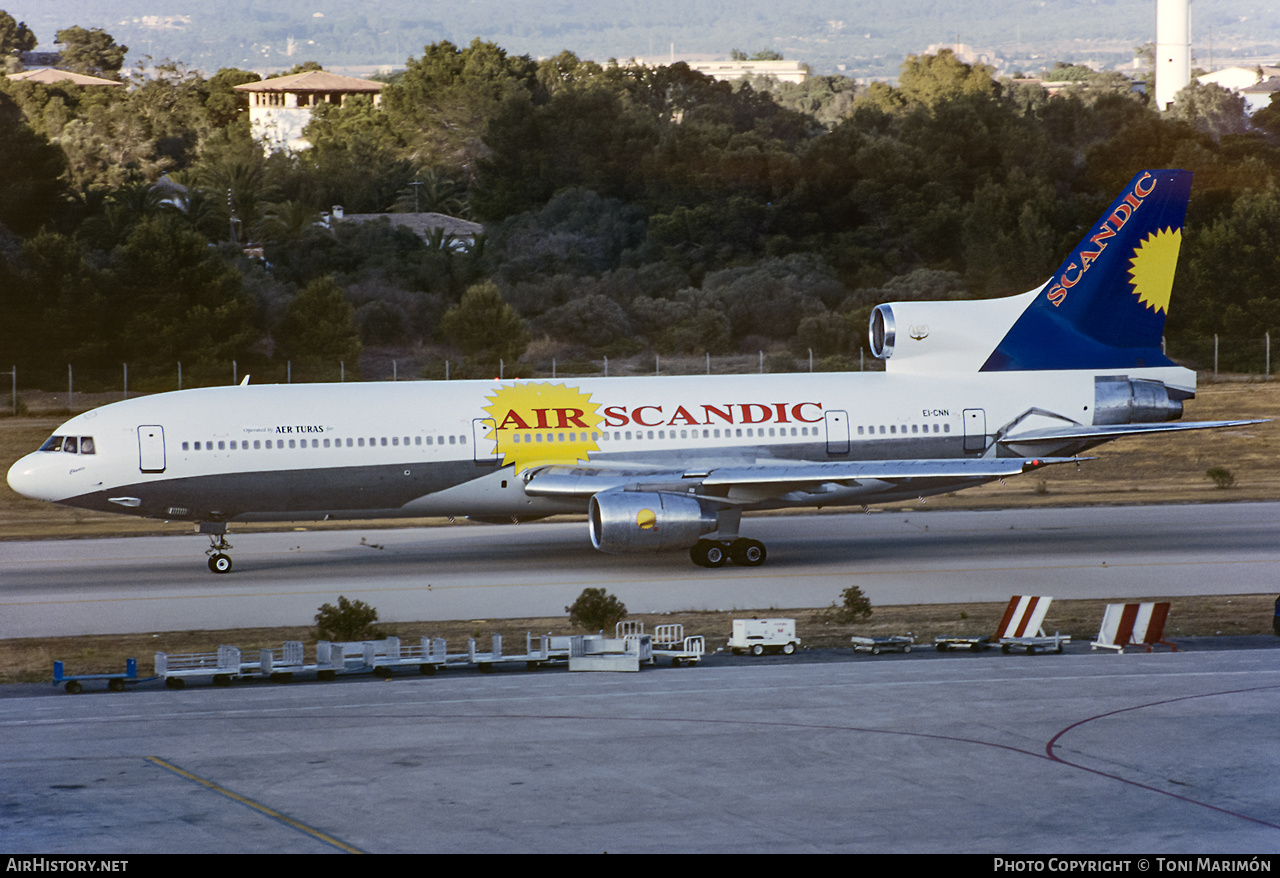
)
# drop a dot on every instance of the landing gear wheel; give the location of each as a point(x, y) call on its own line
point(220, 563)
point(708, 553)
point(747, 553)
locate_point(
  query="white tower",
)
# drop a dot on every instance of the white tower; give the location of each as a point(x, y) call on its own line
point(1173, 49)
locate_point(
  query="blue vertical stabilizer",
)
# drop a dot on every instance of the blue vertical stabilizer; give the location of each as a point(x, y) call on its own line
point(1105, 307)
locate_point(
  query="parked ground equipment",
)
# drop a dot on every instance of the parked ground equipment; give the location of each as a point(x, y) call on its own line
point(115, 682)
point(1020, 629)
point(758, 636)
point(877, 645)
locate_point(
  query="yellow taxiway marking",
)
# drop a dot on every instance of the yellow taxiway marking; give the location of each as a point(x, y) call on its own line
point(257, 806)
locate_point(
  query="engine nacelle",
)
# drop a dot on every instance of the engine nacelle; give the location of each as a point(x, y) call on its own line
point(624, 522)
point(1133, 401)
point(943, 336)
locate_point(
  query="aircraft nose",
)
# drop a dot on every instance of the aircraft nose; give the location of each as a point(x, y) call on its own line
point(35, 476)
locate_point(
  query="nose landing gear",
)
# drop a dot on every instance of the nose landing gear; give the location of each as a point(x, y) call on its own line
point(220, 563)
point(219, 560)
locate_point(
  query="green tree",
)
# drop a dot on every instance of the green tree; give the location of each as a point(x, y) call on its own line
point(169, 297)
point(92, 51)
point(222, 102)
point(484, 326)
point(1211, 108)
point(596, 610)
point(348, 621)
point(932, 79)
point(1268, 119)
point(854, 606)
point(356, 156)
point(443, 100)
point(318, 330)
point(15, 36)
point(29, 171)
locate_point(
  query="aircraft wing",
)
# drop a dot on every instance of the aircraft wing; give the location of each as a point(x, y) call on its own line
point(1053, 438)
point(773, 478)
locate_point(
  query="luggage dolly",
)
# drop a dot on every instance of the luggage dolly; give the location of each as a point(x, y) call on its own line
point(877, 645)
point(115, 682)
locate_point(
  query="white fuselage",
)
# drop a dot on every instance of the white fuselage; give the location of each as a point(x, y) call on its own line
point(288, 452)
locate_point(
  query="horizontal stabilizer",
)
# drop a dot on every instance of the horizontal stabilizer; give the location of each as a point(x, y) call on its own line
point(1101, 433)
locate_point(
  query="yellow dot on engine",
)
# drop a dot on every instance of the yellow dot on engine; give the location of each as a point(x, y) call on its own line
point(647, 519)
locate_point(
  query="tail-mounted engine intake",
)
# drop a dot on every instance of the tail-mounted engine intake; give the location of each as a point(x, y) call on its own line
point(623, 522)
point(883, 331)
point(1129, 401)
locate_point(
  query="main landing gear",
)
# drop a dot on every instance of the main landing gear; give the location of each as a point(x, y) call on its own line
point(219, 560)
point(717, 553)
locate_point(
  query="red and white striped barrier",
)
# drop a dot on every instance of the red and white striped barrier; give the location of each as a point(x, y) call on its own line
point(1023, 617)
point(1133, 625)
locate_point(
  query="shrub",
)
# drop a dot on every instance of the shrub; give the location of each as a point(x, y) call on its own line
point(855, 607)
point(596, 609)
point(1221, 476)
point(349, 620)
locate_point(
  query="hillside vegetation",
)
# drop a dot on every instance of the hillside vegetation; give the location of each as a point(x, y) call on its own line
point(628, 211)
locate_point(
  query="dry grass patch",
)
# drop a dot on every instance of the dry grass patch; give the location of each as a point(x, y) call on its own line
point(31, 660)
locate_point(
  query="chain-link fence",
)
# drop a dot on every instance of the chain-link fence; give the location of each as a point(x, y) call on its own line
point(68, 388)
point(1223, 354)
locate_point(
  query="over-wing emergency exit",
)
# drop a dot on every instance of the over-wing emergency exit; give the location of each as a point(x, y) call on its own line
point(972, 391)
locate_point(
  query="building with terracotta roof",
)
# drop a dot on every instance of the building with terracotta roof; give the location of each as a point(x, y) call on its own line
point(280, 108)
point(50, 76)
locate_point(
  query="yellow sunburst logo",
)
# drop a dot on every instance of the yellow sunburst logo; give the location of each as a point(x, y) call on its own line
point(540, 423)
point(1152, 266)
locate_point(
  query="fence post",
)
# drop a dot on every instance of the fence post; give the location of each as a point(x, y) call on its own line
point(342, 371)
point(762, 362)
point(70, 387)
point(553, 368)
point(1215, 356)
point(235, 373)
point(502, 369)
point(708, 362)
point(1267, 376)
point(14, 373)
point(126, 380)
point(810, 359)
point(395, 371)
point(657, 365)
point(606, 367)
point(446, 370)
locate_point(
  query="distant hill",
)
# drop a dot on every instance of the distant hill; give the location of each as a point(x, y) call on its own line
point(854, 37)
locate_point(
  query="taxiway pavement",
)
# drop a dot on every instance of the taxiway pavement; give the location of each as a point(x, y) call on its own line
point(1160, 754)
point(69, 587)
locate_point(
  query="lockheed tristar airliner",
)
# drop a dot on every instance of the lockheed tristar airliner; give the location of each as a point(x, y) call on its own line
point(972, 391)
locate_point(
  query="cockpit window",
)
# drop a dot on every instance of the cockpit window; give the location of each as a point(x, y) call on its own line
point(69, 444)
